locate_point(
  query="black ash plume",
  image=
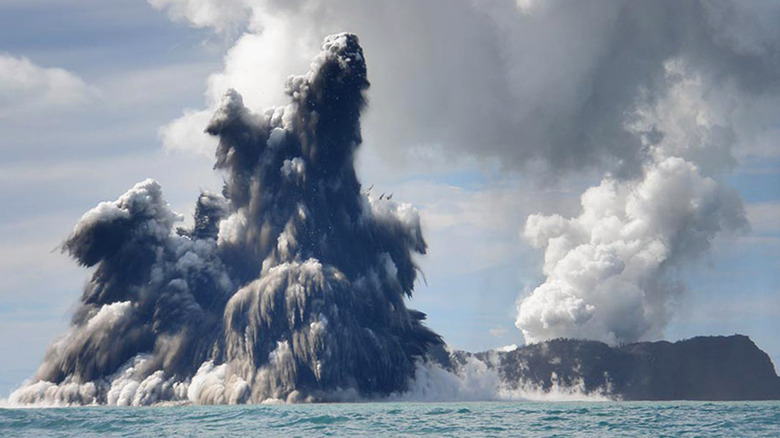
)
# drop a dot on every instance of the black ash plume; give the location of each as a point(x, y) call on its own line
point(291, 285)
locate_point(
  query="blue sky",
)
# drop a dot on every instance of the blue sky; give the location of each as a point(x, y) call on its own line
point(59, 162)
point(133, 69)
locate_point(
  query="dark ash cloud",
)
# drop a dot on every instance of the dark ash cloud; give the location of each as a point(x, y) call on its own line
point(291, 284)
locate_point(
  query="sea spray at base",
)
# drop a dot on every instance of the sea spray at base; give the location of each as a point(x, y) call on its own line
point(473, 381)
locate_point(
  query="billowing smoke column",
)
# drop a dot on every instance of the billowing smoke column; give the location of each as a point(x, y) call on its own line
point(613, 271)
point(289, 286)
point(607, 269)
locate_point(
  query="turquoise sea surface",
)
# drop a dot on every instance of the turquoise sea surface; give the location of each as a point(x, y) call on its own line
point(484, 419)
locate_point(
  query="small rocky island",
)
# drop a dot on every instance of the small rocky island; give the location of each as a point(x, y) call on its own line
point(701, 368)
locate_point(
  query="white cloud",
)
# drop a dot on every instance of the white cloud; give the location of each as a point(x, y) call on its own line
point(24, 84)
point(221, 15)
point(187, 134)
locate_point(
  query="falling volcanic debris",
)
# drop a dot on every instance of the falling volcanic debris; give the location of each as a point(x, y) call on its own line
point(290, 285)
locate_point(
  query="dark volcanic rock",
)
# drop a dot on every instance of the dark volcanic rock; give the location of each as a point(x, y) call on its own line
point(701, 368)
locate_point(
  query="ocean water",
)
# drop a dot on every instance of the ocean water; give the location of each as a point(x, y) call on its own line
point(484, 419)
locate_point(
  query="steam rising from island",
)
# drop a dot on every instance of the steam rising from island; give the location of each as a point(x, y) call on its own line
point(613, 271)
point(289, 286)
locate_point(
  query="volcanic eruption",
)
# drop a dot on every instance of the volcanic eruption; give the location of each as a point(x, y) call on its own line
point(290, 285)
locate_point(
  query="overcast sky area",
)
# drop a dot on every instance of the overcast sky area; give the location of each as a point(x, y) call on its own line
point(480, 113)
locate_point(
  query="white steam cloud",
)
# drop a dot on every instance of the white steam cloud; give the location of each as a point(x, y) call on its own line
point(25, 85)
point(612, 272)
